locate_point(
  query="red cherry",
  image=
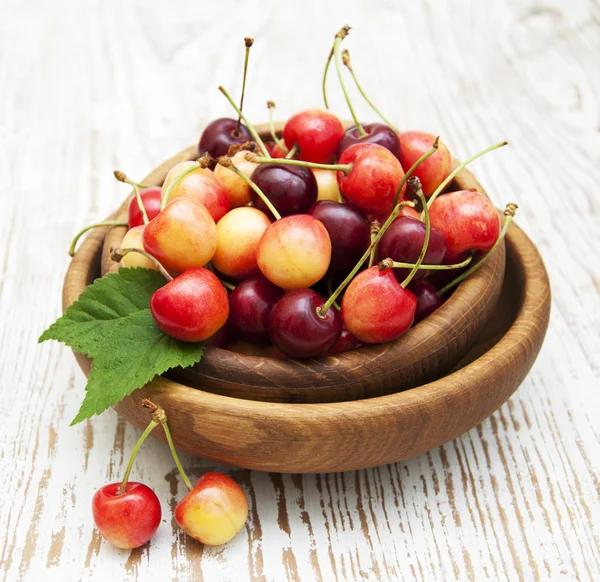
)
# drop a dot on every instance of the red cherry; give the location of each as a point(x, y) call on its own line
point(435, 169)
point(373, 180)
point(250, 306)
point(377, 133)
point(214, 511)
point(220, 135)
point(316, 132)
point(403, 242)
point(376, 308)
point(191, 307)
point(467, 219)
point(427, 299)
point(151, 201)
point(296, 328)
point(127, 520)
point(345, 343)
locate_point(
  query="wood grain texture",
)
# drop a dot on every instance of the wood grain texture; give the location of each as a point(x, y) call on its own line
point(88, 87)
point(426, 352)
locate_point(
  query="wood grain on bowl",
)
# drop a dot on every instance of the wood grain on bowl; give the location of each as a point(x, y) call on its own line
point(342, 436)
point(427, 351)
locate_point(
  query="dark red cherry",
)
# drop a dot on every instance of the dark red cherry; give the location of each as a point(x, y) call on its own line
point(296, 328)
point(150, 200)
point(345, 343)
point(403, 242)
point(291, 189)
point(378, 133)
point(348, 230)
point(250, 305)
point(427, 300)
point(220, 134)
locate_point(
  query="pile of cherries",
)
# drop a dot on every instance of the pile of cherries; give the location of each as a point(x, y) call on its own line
point(315, 243)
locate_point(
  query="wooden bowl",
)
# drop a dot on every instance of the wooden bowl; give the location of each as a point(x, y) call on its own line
point(343, 436)
point(427, 351)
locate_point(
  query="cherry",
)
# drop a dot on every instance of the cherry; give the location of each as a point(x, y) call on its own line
point(345, 343)
point(183, 235)
point(199, 184)
point(237, 189)
point(403, 242)
point(376, 133)
point(348, 230)
point(294, 252)
point(191, 307)
point(221, 338)
point(316, 132)
point(298, 330)
point(467, 219)
point(373, 179)
point(214, 511)
point(327, 186)
point(250, 306)
point(427, 299)
point(220, 135)
point(238, 234)
point(133, 240)
point(291, 189)
point(126, 519)
point(433, 171)
point(151, 200)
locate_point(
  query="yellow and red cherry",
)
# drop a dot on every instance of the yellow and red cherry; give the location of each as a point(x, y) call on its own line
point(191, 307)
point(403, 241)
point(377, 133)
point(327, 185)
point(214, 511)
point(294, 252)
point(316, 133)
point(297, 328)
point(467, 219)
point(237, 189)
point(151, 201)
point(291, 189)
point(200, 185)
point(238, 234)
point(183, 235)
point(133, 240)
point(435, 169)
point(275, 151)
point(373, 179)
point(376, 308)
point(250, 305)
point(345, 343)
point(349, 232)
point(220, 135)
point(128, 519)
point(427, 299)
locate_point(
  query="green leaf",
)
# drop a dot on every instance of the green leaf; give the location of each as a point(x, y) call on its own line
point(133, 353)
point(89, 320)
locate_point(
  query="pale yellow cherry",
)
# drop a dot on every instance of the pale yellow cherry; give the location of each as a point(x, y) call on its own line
point(133, 240)
point(327, 185)
point(237, 189)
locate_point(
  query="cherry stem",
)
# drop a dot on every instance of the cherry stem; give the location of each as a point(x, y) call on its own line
point(279, 142)
point(153, 424)
point(391, 264)
point(225, 161)
point(459, 168)
point(136, 188)
point(248, 124)
point(330, 291)
point(89, 227)
point(339, 37)
point(227, 285)
point(348, 64)
point(336, 167)
point(323, 310)
point(324, 84)
point(167, 192)
point(509, 212)
point(160, 416)
point(415, 185)
point(118, 254)
point(375, 228)
point(408, 174)
point(249, 42)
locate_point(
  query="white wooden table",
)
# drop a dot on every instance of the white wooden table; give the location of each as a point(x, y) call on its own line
point(90, 86)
